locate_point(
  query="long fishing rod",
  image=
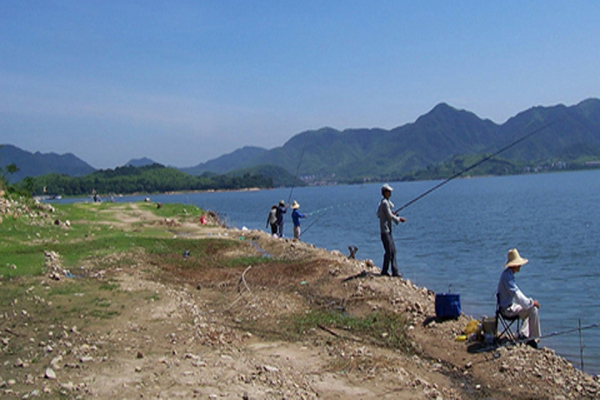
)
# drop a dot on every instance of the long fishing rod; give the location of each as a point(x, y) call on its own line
point(298, 168)
point(555, 333)
point(472, 166)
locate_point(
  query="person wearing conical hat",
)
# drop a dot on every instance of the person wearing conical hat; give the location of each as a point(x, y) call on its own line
point(513, 302)
point(296, 215)
point(386, 216)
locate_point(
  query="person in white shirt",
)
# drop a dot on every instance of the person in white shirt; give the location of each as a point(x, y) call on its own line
point(386, 216)
point(513, 302)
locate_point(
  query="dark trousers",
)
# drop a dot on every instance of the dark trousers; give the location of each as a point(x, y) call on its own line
point(390, 254)
point(274, 228)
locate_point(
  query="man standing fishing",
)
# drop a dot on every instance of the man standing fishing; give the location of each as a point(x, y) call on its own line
point(386, 216)
point(296, 215)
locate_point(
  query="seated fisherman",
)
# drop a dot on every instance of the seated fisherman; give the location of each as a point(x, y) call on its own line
point(513, 302)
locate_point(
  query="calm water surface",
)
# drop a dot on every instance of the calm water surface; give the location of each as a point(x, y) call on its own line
point(457, 237)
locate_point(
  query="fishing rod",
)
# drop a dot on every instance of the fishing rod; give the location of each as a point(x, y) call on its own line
point(298, 168)
point(473, 166)
point(555, 333)
point(558, 333)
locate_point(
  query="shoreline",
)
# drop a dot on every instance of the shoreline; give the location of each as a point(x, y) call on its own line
point(179, 335)
point(437, 340)
point(479, 313)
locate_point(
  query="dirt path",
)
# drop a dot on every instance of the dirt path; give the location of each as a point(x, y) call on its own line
point(186, 338)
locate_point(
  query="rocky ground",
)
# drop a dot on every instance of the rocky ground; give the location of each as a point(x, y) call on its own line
point(217, 335)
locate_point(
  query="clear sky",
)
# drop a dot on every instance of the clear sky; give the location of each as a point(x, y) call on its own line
point(183, 82)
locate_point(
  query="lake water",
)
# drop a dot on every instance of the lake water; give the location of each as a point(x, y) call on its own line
point(456, 239)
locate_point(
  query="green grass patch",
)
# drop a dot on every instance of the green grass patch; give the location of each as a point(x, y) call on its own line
point(109, 286)
point(66, 289)
point(245, 261)
point(383, 328)
point(104, 314)
point(173, 210)
point(153, 297)
point(85, 297)
point(21, 263)
point(23, 240)
point(199, 253)
point(102, 302)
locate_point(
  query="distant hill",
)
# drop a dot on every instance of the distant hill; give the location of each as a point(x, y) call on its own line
point(140, 162)
point(241, 158)
point(279, 176)
point(36, 164)
point(439, 136)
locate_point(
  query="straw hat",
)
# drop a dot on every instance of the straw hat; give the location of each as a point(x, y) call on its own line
point(295, 205)
point(514, 259)
point(282, 203)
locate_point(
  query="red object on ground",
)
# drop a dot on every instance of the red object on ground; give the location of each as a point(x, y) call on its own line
point(203, 220)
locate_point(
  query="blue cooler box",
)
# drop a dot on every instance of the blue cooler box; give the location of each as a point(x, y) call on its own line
point(447, 305)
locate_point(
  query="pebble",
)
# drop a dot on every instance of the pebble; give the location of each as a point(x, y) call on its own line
point(50, 374)
point(55, 363)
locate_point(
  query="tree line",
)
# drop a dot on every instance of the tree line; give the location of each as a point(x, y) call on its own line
point(154, 178)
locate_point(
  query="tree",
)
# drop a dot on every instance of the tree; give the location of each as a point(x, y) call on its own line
point(29, 184)
point(9, 169)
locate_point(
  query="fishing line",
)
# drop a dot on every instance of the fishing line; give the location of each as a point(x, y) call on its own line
point(317, 211)
point(473, 166)
point(322, 211)
point(314, 222)
point(558, 333)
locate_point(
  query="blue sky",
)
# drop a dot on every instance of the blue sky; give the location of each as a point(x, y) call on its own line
point(182, 82)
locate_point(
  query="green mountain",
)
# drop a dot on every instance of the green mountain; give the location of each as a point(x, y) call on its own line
point(279, 176)
point(438, 137)
point(35, 164)
point(241, 158)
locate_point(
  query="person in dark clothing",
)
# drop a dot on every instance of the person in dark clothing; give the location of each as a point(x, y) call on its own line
point(272, 220)
point(281, 209)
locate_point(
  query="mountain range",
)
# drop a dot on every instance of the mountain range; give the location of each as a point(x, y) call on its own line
point(37, 164)
point(566, 134)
